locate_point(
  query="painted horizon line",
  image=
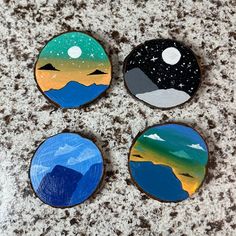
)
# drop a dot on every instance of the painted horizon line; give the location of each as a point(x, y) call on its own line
point(73, 81)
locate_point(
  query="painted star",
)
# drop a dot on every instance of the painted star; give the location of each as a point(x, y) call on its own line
point(154, 59)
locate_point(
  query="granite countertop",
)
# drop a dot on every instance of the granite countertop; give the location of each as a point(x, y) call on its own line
point(27, 118)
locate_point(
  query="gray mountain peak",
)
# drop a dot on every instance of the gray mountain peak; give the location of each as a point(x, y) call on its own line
point(138, 82)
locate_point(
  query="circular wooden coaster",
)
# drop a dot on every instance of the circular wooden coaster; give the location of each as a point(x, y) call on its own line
point(72, 70)
point(162, 73)
point(66, 169)
point(168, 162)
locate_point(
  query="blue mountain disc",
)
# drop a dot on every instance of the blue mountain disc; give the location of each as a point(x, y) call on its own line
point(66, 169)
point(72, 70)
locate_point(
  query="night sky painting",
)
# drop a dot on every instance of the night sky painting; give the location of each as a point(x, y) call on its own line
point(66, 170)
point(168, 162)
point(162, 73)
point(73, 69)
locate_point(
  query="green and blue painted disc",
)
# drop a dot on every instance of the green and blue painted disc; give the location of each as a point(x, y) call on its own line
point(168, 162)
point(72, 70)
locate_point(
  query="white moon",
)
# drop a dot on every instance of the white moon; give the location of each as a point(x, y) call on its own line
point(74, 52)
point(171, 55)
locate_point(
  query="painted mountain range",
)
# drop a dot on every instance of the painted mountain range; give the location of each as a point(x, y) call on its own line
point(87, 184)
point(75, 94)
point(143, 88)
point(56, 188)
point(64, 186)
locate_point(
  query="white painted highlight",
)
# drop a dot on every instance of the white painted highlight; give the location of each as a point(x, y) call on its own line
point(65, 150)
point(74, 52)
point(196, 146)
point(38, 169)
point(181, 154)
point(154, 136)
point(164, 98)
point(86, 154)
point(171, 55)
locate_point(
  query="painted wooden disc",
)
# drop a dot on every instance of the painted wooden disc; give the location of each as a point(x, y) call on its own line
point(168, 162)
point(66, 170)
point(72, 70)
point(162, 73)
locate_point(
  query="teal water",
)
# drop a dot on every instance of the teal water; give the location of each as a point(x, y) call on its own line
point(158, 181)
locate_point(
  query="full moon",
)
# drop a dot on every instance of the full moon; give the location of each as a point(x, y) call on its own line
point(74, 52)
point(171, 55)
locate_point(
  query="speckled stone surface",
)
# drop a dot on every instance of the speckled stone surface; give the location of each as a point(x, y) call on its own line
point(26, 118)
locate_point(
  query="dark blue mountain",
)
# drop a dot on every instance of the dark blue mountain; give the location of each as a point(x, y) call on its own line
point(56, 188)
point(158, 180)
point(88, 184)
point(75, 94)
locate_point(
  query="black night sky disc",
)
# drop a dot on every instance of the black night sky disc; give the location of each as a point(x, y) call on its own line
point(163, 73)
